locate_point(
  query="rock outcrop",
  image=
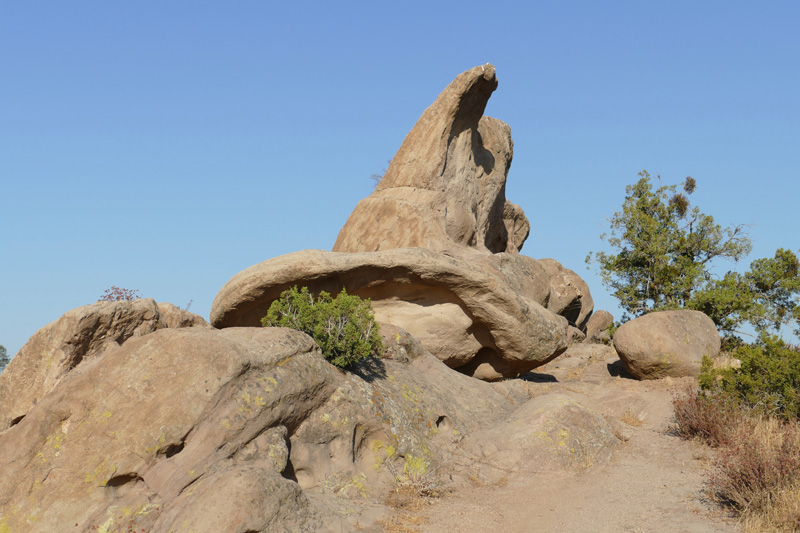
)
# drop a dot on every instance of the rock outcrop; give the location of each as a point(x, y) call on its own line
point(75, 338)
point(446, 184)
point(436, 247)
point(482, 317)
point(666, 343)
point(250, 429)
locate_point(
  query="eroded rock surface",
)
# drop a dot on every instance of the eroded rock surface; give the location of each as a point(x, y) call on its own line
point(436, 247)
point(483, 316)
point(245, 429)
point(666, 343)
point(446, 184)
point(78, 336)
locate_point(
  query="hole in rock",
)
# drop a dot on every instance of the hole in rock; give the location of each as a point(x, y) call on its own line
point(443, 422)
point(173, 449)
point(123, 479)
point(288, 472)
point(16, 421)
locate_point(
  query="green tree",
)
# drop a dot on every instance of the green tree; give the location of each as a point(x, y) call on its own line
point(663, 249)
point(766, 296)
point(3, 357)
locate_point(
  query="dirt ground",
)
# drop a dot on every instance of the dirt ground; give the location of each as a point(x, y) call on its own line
point(653, 483)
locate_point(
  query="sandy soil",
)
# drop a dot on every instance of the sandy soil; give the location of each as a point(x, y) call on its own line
point(653, 483)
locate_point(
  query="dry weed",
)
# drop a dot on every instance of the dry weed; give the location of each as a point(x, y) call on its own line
point(757, 469)
point(761, 461)
point(631, 417)
point(402, 522)
point(783, 514)
point(708, 417)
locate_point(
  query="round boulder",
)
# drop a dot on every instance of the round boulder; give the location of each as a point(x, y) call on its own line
point(666, 343)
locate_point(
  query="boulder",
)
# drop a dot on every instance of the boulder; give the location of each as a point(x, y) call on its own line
point(666, 343)
point(596, 327)
point(576, 359)
point(78, 336)
point(481, 316)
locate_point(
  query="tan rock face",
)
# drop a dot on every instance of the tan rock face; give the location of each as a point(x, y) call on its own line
point(79, 336)
point(128, 432)
point(482, 316)
point(596, 327)
point(436, 247)
point(666, 343)
point(245, 429)
point(446, 184)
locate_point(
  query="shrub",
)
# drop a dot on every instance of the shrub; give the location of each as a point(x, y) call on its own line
point(761, 461)
point(709, 417)
point(343, 327)
point(757, 468)
point(768, 379)
point(116, 294)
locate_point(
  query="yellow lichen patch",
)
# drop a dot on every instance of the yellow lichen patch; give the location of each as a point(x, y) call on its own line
point(563, 434)
point(4, 527)
point(100, 475)
point(55, 442)
point(260, 401)
point(415, 466)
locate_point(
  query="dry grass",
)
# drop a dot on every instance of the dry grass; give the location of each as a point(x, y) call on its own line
point(413, 490)
point(782, 515)
point(757, 468)
point(402, 522)
point(631, 417)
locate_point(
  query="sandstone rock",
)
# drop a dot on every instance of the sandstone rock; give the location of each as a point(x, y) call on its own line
point(549, 432)
point(78, 336)
point(480, 315)
point(517, 226)
point(666, 343)
point(446, 184)
point(146, 429)
point(576, 359)
point(436, 248)
point(232, 430)
point(597, 325)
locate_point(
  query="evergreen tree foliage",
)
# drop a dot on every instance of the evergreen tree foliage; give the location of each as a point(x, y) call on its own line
point(663, 248)
point(344, 326)
point(662, 253)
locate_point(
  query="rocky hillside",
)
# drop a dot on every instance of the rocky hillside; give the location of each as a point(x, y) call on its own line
point(136, 415)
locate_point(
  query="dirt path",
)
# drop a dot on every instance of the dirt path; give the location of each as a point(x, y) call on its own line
point(653, 483)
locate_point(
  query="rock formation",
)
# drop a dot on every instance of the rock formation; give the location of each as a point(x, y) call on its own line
point(140, 416)
point(666, 343)
point(250, 429)
point(78, 336)
point(436, 248)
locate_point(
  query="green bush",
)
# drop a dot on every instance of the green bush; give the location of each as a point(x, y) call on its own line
point(343, 327)
point(768, 379)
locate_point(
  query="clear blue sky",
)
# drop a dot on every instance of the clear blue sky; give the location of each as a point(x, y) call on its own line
point(166, 146)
